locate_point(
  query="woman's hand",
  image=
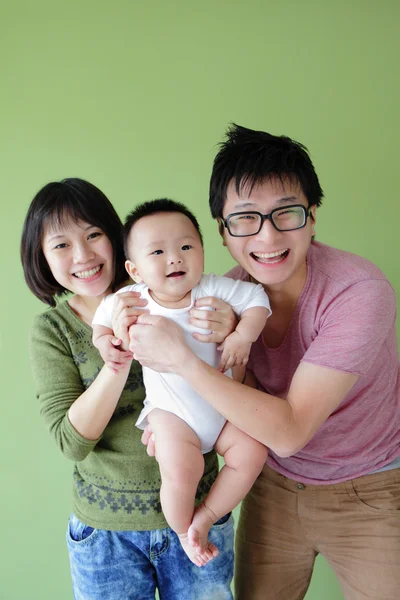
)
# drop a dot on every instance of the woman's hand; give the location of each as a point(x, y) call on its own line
point(221, 320)
point(114, 358)
point(127, 307)
point(158, 343)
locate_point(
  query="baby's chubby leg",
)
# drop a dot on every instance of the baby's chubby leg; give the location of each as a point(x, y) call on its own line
point(244, 459)
point(181, 463)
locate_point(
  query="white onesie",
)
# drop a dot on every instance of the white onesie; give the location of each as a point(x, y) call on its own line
point(168, 391)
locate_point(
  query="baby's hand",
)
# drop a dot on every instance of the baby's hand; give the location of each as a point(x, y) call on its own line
point(114, 358)
point(235, 352)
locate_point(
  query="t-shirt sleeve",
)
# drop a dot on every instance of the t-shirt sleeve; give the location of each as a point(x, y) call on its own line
point(241, 295)
point(354, 327)
point(58, 385)
point(103, 313)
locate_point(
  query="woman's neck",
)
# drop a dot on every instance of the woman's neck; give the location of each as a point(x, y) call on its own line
point(84, 307)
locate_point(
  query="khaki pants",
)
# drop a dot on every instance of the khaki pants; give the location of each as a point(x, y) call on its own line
point(284, 524)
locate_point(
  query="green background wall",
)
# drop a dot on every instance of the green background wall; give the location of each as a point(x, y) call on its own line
point(133, 96)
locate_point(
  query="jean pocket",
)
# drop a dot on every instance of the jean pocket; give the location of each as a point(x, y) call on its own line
point(79, 532)
point(223, 521)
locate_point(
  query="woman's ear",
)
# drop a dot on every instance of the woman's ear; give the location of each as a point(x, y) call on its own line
point(221, 231)
point(132, 271)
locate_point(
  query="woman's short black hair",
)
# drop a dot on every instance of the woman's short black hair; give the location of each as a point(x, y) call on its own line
point(248, 157)
point(55, 203)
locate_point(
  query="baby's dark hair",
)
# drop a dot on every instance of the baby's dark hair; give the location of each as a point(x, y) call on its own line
point(152, 207)
point(249, 157)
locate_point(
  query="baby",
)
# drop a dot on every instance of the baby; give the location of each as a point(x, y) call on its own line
point(166, 260)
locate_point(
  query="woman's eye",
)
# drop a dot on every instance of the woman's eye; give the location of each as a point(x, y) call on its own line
point(60, 246)
point(186, 247)
point(93, 235)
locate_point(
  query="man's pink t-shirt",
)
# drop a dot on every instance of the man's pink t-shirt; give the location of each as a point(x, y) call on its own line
point(344, 320)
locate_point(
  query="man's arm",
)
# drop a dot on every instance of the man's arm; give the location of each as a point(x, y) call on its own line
point(284, 425)
point(352, 332)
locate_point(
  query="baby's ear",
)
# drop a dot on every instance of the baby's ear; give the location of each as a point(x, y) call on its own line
point(132, 271)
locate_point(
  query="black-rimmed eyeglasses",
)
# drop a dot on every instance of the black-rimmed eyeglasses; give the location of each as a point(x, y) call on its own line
point(287, 218)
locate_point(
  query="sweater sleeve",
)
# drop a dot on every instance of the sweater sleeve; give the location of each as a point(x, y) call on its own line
point(58, 384)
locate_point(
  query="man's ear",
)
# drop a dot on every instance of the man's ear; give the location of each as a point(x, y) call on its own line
point(221, 230)
point(313, 217)
point(132, 271)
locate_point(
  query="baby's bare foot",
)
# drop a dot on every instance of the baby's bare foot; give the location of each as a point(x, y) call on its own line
point(202, 522)
point(199, 558)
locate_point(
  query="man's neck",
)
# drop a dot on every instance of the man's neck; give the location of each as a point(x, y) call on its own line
point(284, 296)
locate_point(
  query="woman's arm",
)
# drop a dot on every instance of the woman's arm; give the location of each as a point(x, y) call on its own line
point(77, 396)
point(92, 410)
point(285, 426)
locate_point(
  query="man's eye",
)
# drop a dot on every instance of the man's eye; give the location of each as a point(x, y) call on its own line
point(157, 252)
point(246, 218)
point(290, 212)
point(186, 247)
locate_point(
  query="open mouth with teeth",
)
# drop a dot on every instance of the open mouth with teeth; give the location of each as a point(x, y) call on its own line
point(176, 274)
point(270, 258)
point(89, 273)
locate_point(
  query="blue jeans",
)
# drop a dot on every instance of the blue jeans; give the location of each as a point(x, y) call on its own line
point(131, 565)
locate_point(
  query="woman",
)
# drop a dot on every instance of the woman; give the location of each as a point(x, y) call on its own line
point(328, 400)
point(118, 541)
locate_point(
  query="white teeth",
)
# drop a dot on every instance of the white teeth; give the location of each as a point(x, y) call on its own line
point(87, 274)
point(270, 254)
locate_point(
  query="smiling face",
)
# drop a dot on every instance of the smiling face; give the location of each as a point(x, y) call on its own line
point(80, 257)
point(277, 259)
point(166, 253)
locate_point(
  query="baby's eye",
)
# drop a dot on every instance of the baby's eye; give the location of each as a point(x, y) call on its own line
point(158, 252)
point(187, 247)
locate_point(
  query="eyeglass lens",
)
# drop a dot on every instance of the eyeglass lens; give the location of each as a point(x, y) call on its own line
point(285, 219)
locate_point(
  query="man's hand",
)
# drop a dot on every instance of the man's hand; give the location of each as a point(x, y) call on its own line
point(158, 343)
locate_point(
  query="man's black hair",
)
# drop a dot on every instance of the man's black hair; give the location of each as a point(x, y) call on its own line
point(249, 157)
point(152, 207)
